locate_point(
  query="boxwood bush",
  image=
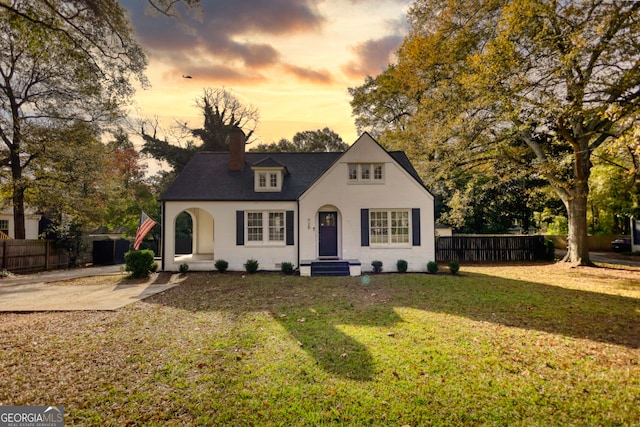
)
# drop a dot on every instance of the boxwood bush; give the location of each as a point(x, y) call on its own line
point(140, 263)
point(251, 266)
point(377, 266)
point(221, 265)
point(287, 268)
point(454, 267)
point(432, 267)
point(402, 266)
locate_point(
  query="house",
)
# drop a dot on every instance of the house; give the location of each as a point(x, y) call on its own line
point(31, 221)
point(326, 213)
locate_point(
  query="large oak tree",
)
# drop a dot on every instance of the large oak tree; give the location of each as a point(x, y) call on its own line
point(62, 63)
point(537, 83)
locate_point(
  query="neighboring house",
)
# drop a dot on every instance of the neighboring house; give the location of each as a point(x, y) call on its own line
point(31, 221)
point(443, 230)
point(326, 213)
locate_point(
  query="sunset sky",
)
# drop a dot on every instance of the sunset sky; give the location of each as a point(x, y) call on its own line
point(292, 59)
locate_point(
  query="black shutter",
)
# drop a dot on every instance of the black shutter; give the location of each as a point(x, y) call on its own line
point(415, 222)
point(240, 228)
point(364, 227)
point(289, 228)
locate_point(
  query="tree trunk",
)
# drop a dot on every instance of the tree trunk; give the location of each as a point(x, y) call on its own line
point(18, 198)
point(577, 243)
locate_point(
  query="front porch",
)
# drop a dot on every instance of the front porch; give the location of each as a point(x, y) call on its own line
point(196, 262)
point(330, 267)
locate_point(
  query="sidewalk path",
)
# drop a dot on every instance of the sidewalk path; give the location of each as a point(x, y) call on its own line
point(36, 292)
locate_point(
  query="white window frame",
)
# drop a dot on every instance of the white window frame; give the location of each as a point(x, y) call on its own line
point(267, 180)
point(365, 173)
point(383, 228)
point(4, 226)
point(268, 232)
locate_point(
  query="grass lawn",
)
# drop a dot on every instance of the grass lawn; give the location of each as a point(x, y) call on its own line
point(528, 345)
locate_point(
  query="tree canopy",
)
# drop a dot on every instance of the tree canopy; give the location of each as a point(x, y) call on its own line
point(536, 84)
point(321, 140)
point(62, 64)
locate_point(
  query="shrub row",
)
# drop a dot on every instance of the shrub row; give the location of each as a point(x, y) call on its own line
point(141, 263)
point(402, 266)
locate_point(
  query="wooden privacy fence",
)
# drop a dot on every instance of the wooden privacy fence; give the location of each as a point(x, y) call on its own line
point(26, 256)
point(477, 248)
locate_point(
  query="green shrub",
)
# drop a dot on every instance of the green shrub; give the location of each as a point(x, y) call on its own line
point(287, 268)
point(432, 267)
point(221, 265)
point(184, 267)
point(402, 266)
point(377, 266)
point(140, 263)
point(251, 266)
point(454, 267)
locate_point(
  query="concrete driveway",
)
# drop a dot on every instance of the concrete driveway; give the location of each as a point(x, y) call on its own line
point(39, 292)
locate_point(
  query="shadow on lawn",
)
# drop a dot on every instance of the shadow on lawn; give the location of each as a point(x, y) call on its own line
point(312, 308)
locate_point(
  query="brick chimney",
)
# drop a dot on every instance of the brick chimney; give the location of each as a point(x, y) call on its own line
point(236, 149)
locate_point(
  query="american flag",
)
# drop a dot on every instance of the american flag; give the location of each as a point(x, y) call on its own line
point(144, 227)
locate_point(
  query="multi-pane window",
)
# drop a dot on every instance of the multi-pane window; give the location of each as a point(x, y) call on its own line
point(4, 226)
point(265, 227)
point(267, 181)
point(377, 172)
point(276, 226)
point(379, 227)
point(399, 227)
point(366, 173)
point(254, 226)
point(353, 172)
point(389, 226)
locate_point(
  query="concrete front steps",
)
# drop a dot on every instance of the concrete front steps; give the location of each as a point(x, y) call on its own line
point(330, 267)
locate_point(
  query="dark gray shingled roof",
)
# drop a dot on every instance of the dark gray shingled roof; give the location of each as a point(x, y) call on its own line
point(207, 176)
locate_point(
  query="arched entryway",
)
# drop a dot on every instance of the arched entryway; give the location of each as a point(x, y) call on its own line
point(194, 235)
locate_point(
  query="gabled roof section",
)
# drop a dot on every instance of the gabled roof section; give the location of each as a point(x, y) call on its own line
point(207, 177)
point(268, 162)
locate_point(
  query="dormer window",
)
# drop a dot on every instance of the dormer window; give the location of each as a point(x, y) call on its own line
point(366, 173)
point(268, 175)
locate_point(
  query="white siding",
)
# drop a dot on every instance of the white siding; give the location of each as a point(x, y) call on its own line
point(399, 191)
point(216, 235)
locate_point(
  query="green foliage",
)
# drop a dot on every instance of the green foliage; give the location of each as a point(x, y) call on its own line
point(184, 267)
point(221, 265)
point(321, 140)
point(251, 266)
point(432, 267)
point(287, 268)
point(140, 263)
point(69, 237)
point(527, 84)
point(402, 266)
point(454, 267)
point(377, 266)
point(72, 68)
